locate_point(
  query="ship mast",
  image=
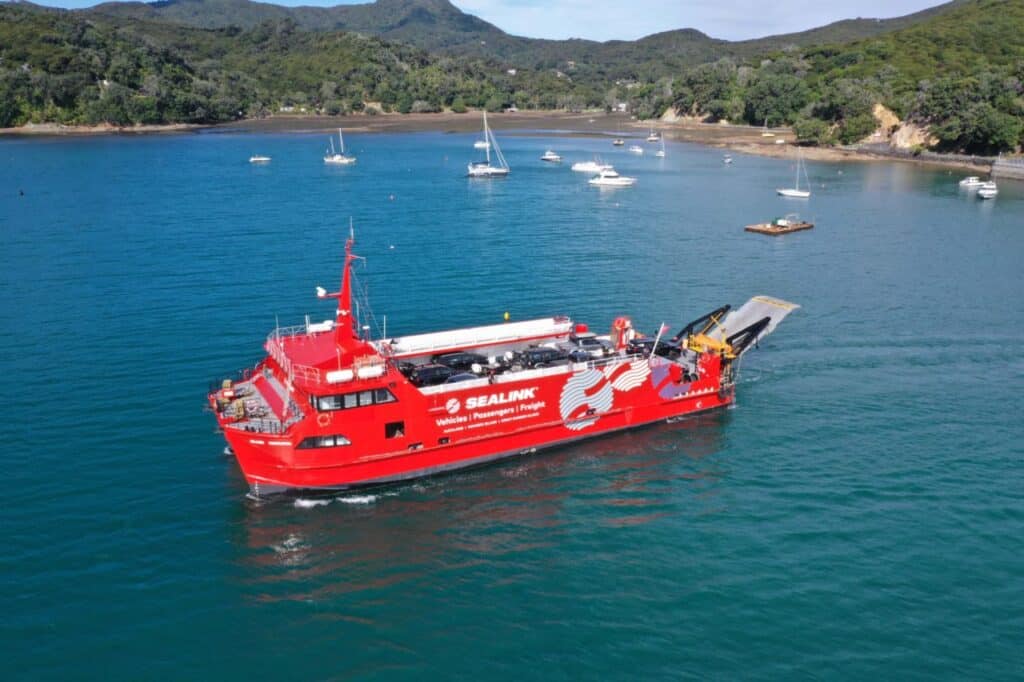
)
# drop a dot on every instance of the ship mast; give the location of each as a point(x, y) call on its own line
point(344, 322)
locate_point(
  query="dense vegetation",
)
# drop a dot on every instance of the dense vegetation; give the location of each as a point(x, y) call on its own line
point(959, 71)
point(961, 74)
point(437, 26)
point(63, 67)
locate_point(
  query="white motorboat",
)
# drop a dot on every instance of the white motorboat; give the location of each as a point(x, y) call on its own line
point(338, 158)
point(653, 137)
point(594, 166)
point(796, 192)
point(484, 169)
point(256, 158)
point(971, 182)
point(988, 190)
point(618, 142)
point(636, 149)
point(610, 178)
point(727, 159)
point(550, 155)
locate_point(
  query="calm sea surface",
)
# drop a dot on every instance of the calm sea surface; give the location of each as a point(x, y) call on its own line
point(859, 514)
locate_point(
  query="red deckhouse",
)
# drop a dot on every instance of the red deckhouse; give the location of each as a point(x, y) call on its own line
point(329, 408)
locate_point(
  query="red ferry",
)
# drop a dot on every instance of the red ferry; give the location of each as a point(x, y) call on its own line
point(330, 408)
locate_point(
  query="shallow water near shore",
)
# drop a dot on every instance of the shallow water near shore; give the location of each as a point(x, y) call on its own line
point(860, 512)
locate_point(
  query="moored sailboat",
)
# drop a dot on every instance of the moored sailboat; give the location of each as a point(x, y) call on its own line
point(796, 192)
point(338, 157)
point(485, 169)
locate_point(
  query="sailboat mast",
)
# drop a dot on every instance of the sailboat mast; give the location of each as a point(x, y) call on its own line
point(341, 141)
point(487, 139)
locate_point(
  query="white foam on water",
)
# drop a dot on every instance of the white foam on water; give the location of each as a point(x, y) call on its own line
point(358, 499)
point(309, 504)
point(365, 499)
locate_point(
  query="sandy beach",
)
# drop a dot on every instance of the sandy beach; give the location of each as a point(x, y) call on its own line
point(58, 129)
point(737, 138)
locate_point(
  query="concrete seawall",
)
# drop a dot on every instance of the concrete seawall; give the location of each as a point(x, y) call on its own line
point(1011, 167)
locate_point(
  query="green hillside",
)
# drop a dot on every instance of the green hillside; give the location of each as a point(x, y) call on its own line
point(957, 69)
point(61, 66)
point(960, 72)
point(439, 26)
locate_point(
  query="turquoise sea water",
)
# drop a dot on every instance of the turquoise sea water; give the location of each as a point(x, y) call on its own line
point(859, 513)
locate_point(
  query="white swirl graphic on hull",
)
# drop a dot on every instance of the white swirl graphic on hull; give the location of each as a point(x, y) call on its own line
point(585, 396)
point(629, 379)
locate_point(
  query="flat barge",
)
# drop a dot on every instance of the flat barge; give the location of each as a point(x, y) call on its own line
point(780, 226)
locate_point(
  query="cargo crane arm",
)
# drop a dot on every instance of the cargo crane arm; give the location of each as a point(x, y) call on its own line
point(706, 322)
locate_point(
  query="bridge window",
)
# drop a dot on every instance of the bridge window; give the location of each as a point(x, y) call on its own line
point(348, 401)
point(394, 430)
point(323, 442)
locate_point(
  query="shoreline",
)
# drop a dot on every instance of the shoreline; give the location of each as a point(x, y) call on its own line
point(736, 138)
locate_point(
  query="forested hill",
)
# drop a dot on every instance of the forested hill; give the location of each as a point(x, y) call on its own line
point(66, 67)
point(439, 26)
point(957, 73)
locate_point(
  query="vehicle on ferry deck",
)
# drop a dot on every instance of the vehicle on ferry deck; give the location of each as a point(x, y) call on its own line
point(589, 343)
point(461, 361)
point(430, 374)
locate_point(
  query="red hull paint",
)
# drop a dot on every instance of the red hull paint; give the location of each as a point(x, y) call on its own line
point(474, 434)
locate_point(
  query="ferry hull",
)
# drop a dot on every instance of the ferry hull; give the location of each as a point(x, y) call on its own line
point(271, 467)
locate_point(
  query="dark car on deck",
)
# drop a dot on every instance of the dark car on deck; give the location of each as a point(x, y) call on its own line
point(541, 356)
point(460, 361)
point(430, 375)
point(666, 347)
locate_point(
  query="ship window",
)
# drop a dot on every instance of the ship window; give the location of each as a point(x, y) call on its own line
point(323, 442)
point(329, 402)
point(346, 401)
point(394, 429)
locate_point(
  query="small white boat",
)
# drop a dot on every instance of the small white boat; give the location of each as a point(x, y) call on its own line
point(484, 169)
point(726, 159)
point(610, 178)
point(796, 192)
point(256, 158)
point(618, 142)
point(590, 166)
point(661, 152)
point(551, 156)
point(481, 144)
point(636, 149)
point(653, 137)
point(971, 182)
point(338, 158)
point(988, 190)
